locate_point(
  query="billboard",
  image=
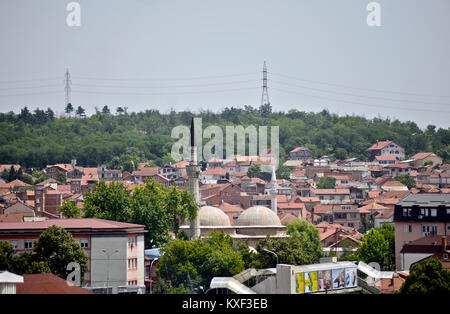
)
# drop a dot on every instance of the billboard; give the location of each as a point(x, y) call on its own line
point(299, 288)
point(350, 278)
point(338, 278)
point(310, 281)
point(325, 280)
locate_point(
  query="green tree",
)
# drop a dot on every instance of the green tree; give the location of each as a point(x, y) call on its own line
point(160, 209)
point(69, 109)
point(378, 246)
point(283, 172)
point(70, 210)
point(58, 248)
point(61, 177)
point(340, 153)
point(290, 250)
point(105, 110)
point(427, 278)
point(108, 201)
point(80, 112)
point(195, 263)
point(309, 236)
point(254, 171)
point(326, 183)
point(406, 180)
point(22, 263)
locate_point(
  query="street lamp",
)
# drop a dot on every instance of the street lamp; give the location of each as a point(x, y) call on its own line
point(107, 269)
point(151, 280)
point(269, 251)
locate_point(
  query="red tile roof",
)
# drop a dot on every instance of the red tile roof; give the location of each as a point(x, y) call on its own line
point(47, 284)
point(298, 149)
point(380, 145)
point(330, 191)
point(420, 156)
point(386, 158)
point(72, 223)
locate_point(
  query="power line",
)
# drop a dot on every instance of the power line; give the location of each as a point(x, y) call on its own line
point(163, 79)
point(31, 80)
point(358, 103)
point(167, 86)
point(169, 93)
point(360, 88)
point(28, 87)
point(362, 96)
point(29, 94)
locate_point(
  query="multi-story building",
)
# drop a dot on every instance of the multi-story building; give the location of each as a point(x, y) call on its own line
point(300, 153)
point(386, 148)
point(417, 216)
point(115, 250)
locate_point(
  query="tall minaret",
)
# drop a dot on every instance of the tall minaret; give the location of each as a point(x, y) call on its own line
point(273, 191)
point(193, 172)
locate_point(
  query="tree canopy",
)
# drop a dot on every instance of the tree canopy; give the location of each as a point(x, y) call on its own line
point(35, 139)
point(309, 236)
point(195, 263)
point(378, 246)
point(160, 209)
point(427, 278)
point(290, 250)
point(58, 248)
point(326, 183)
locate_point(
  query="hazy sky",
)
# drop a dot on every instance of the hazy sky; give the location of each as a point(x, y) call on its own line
point(208, 54)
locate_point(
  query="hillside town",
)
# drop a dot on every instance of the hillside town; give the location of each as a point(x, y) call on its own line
point(343, 199)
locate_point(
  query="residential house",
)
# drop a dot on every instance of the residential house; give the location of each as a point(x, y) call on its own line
point(386, 148)
point(420, 158)
point(417, 216)
point(300, 153)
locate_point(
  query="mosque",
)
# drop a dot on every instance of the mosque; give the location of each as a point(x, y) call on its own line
point(252, 225)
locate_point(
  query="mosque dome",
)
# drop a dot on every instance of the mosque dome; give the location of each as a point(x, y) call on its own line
point(258, 216)
point(213, 216)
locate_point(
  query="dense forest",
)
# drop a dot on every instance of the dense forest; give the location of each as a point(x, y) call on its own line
point(35, 139)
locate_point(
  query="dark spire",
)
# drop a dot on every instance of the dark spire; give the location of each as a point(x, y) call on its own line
point(192, 133)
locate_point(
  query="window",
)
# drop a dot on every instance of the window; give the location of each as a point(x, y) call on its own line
point(14, 243)
point(28, 244)
point(352, 225)
point(424, 212)
point(433, 212)
point(132, 241)
point(407, 228)
point(406, 212)
point(353, 216)
point(448, 211)
point(84, 243)
point(132, 263)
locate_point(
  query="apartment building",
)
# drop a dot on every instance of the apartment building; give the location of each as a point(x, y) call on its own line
point(418, 216)
point(115, 250)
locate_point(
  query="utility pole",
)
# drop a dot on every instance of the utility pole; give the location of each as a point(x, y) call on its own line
point(67, 88)
point(265, 92)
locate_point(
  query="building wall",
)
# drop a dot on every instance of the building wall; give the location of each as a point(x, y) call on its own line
point(408, 259)
point(401, 237)
point(117, 262)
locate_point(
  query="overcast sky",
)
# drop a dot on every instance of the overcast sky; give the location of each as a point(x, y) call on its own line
point(208, 54)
